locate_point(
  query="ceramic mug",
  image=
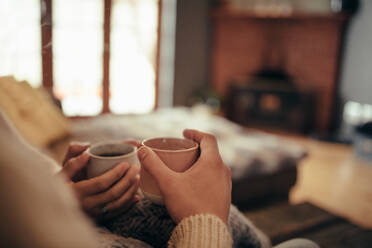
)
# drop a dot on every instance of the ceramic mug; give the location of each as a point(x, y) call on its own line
point(106, 155)
point(178, 154)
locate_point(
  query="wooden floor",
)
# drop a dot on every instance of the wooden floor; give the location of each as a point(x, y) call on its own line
point(333, 178)
point(282, 222)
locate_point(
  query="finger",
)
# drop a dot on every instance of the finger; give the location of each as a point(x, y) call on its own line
point(137, 197)
point(75, 149)
point(102, 182)
point(193, 135)
point(132, 142)
point(207, 142)
point(127, 198)
point(74, 165)
point(152, 163)
point(116, 191)
point(102, 215)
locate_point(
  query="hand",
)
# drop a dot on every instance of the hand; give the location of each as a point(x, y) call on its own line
point(204, 188)
point(107, 195)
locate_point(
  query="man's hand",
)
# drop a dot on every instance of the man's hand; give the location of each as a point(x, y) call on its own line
point(205, 188)
point(104, 196)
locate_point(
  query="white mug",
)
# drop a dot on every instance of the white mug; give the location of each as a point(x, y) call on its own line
point(106, 155)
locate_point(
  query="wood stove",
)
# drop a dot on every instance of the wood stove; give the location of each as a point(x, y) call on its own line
point(271, 100)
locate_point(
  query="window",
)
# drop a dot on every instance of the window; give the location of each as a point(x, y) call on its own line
point(77, 55)
point(20, 39)
point(78, 30)
point(133, 55)
point(73, 51)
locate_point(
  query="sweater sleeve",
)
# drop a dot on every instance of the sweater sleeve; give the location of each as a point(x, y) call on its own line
point(205, 231)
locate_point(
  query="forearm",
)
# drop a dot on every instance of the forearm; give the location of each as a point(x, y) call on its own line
point(203, 231)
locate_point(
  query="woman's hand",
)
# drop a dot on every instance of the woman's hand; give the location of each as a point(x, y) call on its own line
point(107, 195)
point(204, 188)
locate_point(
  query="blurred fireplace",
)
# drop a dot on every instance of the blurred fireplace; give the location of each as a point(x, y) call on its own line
point(305, 48)
point(271, 100)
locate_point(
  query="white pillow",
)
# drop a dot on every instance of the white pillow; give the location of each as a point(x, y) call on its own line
point(37, 209)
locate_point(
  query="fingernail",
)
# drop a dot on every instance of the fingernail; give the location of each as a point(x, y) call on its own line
point(137, 198)
point(85, 154)
point(78, 143)
point(136, 180)
point(142, 153)
point(122, 165)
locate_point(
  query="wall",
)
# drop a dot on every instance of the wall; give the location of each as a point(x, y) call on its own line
point(356, 71)
point(191, 52)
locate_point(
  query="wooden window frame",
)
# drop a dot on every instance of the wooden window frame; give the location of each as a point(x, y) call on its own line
point(46, 22)
point(106, 55)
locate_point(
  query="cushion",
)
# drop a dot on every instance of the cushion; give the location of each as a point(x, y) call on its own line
point(37, 209)
point(32, 111)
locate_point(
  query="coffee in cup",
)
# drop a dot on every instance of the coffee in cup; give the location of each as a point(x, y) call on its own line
point(106, 155)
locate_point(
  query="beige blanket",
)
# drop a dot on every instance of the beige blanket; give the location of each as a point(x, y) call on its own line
point(32, 112)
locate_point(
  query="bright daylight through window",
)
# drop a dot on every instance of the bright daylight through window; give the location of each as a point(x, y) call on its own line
point(78, 36)
point(133, 55)
point(78, 55)
point(20, 39)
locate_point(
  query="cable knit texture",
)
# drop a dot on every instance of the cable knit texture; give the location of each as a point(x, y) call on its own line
point(152, 224)
point(201, 231)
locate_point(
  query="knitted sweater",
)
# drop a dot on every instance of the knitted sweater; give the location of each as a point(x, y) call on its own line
point(152, 224)
point(195, 231)
point(200, 231)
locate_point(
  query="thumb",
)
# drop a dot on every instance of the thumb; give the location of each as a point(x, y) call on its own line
point(153, 164)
